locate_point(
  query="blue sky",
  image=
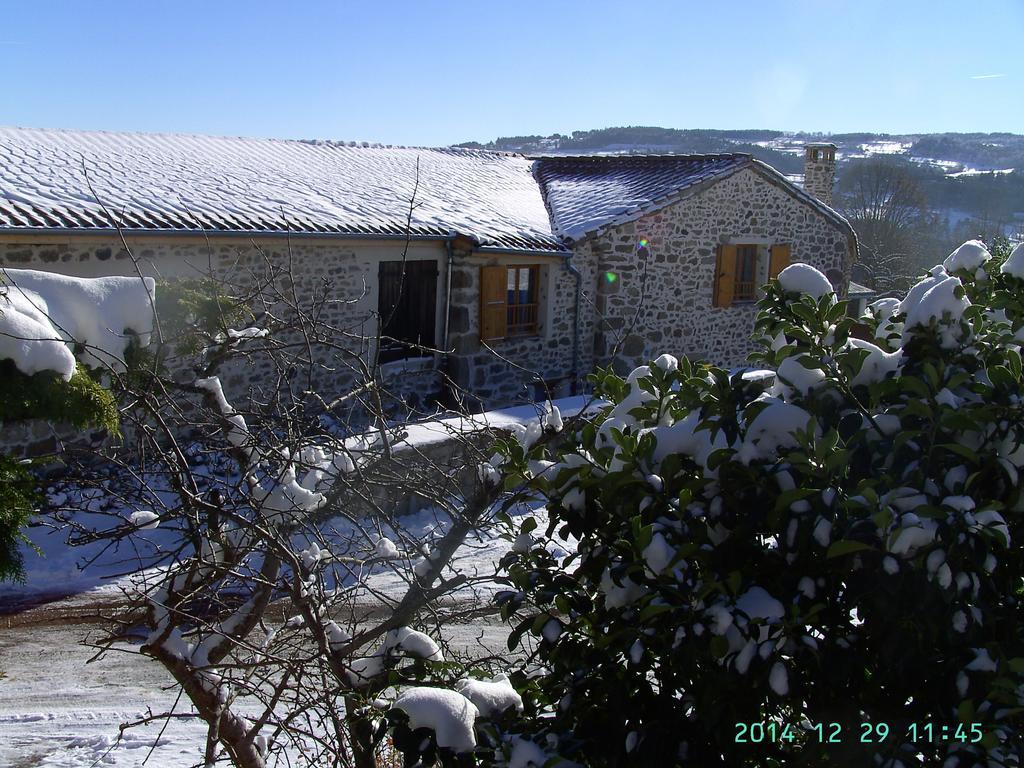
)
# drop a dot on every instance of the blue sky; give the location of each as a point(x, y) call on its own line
point(433, 73)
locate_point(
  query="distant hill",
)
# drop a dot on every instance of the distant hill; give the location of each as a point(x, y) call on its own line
point(966, 177)
point(953, 153)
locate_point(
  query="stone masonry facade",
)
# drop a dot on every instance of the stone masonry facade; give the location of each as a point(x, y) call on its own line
point(677, 313)
point(524, 368)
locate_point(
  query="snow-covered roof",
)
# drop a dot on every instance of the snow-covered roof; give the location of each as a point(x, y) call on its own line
point(57, 179)
point(590, 192)
point(87, 180)
point(860, 291)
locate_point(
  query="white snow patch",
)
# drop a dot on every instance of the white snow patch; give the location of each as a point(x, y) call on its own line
point(658, 554)
point(772, 430)
point(412, 643)
point(939, 303)
point(778, 679)
point(982, 661)
point(449, 714)
point(792, 377)
point(1014, 264)
point(386, 549)
point(878, 364)
point(525, 754)
point(758, 604)
point(44, 315)
point(803, 278)
point(491, 697)
point(968, 257)
point(145, 519)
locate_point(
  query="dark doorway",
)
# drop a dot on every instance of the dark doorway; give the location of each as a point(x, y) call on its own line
point(407, 302)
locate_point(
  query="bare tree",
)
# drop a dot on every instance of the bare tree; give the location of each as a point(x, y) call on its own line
point(253, 521)
point(889, 211)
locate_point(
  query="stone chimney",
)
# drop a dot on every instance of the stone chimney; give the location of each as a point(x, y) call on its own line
point(820, 170)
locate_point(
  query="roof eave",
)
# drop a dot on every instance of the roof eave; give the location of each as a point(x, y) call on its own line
point(134, 232)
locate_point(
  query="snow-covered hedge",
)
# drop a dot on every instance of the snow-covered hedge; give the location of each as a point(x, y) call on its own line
point(52, 325)
point(48, 319)
point(823, 571)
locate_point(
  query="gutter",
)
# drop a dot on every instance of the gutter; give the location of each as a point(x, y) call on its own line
point(496, 249)
point(62, 233)
point(578, 277)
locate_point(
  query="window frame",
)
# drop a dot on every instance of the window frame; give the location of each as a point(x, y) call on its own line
point(530, 326)
point(744, 291)
point(769, 258)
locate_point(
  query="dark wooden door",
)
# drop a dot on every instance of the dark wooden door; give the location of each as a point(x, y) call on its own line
point(407, 302)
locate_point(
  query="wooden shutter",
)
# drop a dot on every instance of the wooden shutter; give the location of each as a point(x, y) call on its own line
point(779, 260)
point(493, 303)
point(725, 275)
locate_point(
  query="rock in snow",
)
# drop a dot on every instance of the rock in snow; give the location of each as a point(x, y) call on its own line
point(448, 714)
point(43, 315)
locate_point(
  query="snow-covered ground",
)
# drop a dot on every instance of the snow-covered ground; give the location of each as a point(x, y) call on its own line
point(57, 709)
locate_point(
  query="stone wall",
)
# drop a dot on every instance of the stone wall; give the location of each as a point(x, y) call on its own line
point(676, 295)
point(342, 271)
point(523, 368)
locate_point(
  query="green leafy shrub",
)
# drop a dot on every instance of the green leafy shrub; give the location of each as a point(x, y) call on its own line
point(824, 570)
point(19, 495)
point(82, 402)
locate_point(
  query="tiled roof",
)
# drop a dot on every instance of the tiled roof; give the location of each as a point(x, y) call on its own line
point(56, 179)
point(588, 193)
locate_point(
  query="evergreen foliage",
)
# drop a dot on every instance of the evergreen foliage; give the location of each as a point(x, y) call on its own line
point(18, 497)
point(82, 402)
point(824, 571)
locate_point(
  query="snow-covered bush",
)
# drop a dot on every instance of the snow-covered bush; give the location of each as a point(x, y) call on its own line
point(51, 328)
point(824, 570)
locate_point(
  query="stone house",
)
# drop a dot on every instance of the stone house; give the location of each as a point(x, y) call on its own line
point(514, 276)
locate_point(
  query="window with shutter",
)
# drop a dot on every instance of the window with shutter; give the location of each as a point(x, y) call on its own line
point(407, 303)
point(725, 275)
point(779, 260)
point(741, 269)
point(509, 301)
